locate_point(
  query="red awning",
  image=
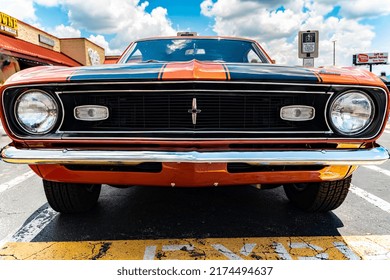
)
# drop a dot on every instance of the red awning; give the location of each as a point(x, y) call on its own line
point(111, 59)
point(23, 49)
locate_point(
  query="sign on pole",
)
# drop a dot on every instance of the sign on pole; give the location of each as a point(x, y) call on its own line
point(308, 62)
point(370, 58)
point(308, 44)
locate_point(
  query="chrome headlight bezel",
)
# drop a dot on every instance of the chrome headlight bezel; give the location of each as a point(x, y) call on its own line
point(364, 123)
point(53, 112)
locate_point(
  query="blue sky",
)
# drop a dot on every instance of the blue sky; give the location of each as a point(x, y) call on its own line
point(357, 26)
point(185, 15)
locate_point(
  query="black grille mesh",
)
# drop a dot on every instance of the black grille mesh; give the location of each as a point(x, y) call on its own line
point(167, 108)
point(139, 111)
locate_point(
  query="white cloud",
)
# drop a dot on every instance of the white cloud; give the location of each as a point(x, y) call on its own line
point(128, 19)
point(20, 9)
point(360, 8)
point(62, 31)
point(101, 41)
point(277, 28)
point(118, 16)
point(48, 3)
point(268, 25)
point(350, 36)
point(228, 8)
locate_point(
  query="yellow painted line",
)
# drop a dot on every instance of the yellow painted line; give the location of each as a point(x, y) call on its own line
point(263, 248)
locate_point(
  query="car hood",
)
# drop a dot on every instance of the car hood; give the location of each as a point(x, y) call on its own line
point(195, 70)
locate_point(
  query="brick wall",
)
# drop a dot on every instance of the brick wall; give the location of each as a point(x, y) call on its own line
point(31, 34)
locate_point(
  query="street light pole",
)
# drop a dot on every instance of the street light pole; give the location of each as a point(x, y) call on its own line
point(334, 52)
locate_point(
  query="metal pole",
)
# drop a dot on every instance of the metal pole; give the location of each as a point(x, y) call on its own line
point(334, 52)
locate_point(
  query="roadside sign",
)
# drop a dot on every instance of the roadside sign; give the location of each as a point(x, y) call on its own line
point(370, 58)
point(308, 44)
point(308, 62)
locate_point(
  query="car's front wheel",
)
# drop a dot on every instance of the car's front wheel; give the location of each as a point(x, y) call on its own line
point(319, 196)
point(71, 198)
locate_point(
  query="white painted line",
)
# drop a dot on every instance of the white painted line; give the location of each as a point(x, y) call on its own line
point(30, 230)
point(16, 181)
point(302, 245)
point(5, 240)
point(281, 251)
point(346, 251)
point(226, 252)
point(386, 131)
point(247, 249)
point(378, 202)
point(378, 169)
point(168, 248)
point(150, 252)
point(372, 251)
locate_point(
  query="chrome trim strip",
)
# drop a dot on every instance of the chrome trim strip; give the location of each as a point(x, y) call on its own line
point(330, 93)
point(326, 113)
point(63, 111)
point(348, 157)
point(196, 91)
point(194, 82)
point(192, 132)
point(200, 139)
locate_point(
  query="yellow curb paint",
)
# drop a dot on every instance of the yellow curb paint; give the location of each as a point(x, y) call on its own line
point(263, 248)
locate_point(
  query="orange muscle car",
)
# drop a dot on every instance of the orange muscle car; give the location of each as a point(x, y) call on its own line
point(193, 111)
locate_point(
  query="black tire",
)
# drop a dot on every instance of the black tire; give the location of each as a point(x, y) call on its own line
point(318, 197)
point(71, 198)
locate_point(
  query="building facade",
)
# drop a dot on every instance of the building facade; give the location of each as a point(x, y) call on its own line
point(23, 46)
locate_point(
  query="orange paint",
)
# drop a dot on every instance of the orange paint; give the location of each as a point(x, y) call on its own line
point(348, 75)
point(188, 175)
point(194, 70)
point(41, 75)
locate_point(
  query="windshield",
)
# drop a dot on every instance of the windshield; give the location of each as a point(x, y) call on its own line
point(162, 50)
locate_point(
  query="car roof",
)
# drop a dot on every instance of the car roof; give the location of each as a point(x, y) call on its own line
point(197, 37)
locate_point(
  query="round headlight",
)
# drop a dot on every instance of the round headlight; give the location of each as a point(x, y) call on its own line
point(36, 111)
point(351, 112)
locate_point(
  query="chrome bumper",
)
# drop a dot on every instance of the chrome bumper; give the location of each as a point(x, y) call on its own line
point(375, 155)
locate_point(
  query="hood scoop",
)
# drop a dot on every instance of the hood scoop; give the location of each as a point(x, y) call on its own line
point(194, 70)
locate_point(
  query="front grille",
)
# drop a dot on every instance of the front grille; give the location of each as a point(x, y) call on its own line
point(170, 111)
point(159, 110)
point(242, 112)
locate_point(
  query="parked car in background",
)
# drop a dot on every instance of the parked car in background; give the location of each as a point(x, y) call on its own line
point(192, 111)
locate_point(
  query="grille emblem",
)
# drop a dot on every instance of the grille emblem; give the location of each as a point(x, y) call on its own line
point(194, 110)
